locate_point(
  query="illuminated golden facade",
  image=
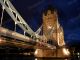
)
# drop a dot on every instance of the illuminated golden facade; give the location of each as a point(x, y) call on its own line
point(52, 31)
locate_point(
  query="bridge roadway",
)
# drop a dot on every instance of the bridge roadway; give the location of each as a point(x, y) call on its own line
point(19, 40)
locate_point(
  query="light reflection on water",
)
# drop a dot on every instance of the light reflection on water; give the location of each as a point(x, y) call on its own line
point(22, 57)
point(28, 58)
point(50, 59)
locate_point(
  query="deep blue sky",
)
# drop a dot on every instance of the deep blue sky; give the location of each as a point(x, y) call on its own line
point(69, 15)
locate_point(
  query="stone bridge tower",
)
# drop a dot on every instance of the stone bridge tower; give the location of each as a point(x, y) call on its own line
point(53, 33)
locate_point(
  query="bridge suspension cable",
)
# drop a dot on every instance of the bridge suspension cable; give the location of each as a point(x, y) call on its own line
point(16, 16)
point(2, 15)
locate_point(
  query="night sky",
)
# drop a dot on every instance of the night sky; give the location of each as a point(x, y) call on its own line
point(68, 12)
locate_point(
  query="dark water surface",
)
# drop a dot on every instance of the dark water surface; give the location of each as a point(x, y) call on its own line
point(23, 57)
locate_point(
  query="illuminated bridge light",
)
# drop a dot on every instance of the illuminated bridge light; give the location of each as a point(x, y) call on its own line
point(66, 51)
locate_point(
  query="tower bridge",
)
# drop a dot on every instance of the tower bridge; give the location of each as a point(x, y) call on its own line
point(52, 40)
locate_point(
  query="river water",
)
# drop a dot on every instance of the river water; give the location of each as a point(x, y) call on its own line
point(23, 57)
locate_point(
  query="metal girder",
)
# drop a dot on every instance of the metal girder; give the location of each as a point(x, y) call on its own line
point(15, 35)
point(39, 30)
point(16, 16)
point(20, 37)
